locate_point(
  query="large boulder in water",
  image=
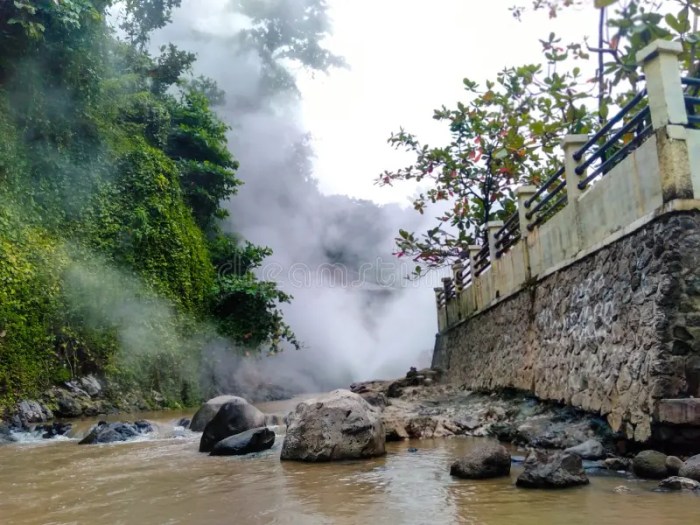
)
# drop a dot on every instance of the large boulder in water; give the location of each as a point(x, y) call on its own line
point(338, 425)
point(209, 409)
point(691, 468)
point(485, 462)
point(113, 432)
point(232, 418)
point(254, 440)
point(552, 471)
point(650, 464)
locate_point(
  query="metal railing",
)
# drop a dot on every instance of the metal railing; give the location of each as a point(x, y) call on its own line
point(508, 234)
point(609, 146)
point(482, 261)
point(692, 87)
point(545, 206)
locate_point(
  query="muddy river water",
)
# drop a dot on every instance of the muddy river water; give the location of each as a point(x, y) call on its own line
point(164, 480)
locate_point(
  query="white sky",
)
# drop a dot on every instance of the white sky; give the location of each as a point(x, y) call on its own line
point(408, 57)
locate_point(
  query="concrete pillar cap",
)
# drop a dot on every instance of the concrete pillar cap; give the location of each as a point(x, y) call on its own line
point(574, 139)
point(658, 47)
point(525, 190)
point(494, 224)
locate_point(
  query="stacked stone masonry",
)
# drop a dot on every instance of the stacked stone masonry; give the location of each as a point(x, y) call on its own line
point(612, 333)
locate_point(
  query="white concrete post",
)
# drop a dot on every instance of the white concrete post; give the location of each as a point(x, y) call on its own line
point(669, 118)
point(492, 227)
point(571, 144)
point(659, 60)
point(522, 194)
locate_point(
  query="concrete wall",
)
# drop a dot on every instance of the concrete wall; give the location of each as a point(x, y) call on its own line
point(614, 333)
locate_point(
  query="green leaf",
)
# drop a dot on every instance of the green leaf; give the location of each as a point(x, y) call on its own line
point(602, 4)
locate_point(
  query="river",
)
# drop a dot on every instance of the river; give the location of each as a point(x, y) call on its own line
point(164, 480)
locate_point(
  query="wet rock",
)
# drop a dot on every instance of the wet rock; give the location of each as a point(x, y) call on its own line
point(617, 464)
point(254, 440)
point(6, 434)
point(184, 422)
point(30, 411)
point(673, 465)
point(68, 406)
point(552, 471)
point(591, 449)
point(232, 418)
point(114, 432)
point(622, 489)
point(376, 399)
point(209, 409)
point(485, 462)
point(650, 464)
point(679, 483)
point(506, 432)
point(691, 468)
point(53, 430)
point(338, 425)
point(91, 385)
point(395, 389)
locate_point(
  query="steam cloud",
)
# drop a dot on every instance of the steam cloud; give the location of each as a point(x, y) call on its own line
point(376, 329)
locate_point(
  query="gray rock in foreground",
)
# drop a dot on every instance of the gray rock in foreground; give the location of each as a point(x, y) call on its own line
point(552, 471)
point(209, 409)
point(114, 432)
point(231, 419)
point(691, 468)
point(679, 483)
point(254, 440)
point(673, 465)
point(591, 449)
point(339, 425)
point(650, 464)
point(485, 462)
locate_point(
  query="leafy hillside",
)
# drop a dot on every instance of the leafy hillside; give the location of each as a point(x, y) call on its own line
point(112, 170)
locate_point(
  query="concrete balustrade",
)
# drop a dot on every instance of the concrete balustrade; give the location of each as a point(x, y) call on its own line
point(660, 176)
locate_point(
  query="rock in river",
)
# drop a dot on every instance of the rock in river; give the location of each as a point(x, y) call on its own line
point(552, 471)
point(338, 425)
point(232, 418)
point(209, 409)
point(650, 464)
point(113, 432)
point(679, 483)
point(254, 440)
point(691, 468)
point(484, 462)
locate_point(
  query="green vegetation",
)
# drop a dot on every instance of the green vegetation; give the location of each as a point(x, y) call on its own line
point(112, 173)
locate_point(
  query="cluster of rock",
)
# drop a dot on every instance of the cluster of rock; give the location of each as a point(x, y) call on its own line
point(335, 426)
point(105, 432)
point(542, 470)
point(231, 426)
point(87, 396)
point(675, 473)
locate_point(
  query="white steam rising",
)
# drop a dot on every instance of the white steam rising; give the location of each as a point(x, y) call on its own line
point(378, 326)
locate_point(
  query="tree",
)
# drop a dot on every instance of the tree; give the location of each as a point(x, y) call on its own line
point(503, 135)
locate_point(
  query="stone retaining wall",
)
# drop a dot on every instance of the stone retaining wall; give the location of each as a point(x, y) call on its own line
point(612, 333)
